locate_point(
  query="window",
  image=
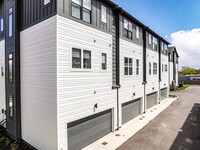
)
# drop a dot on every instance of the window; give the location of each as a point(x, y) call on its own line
point(155, 44)
point(103, 14)
point(76, 58)
point(150, 68)
point(137, 32)
point(2, 24)
point(2, 66)
point(165, 49)
point(46, 2)
point(11, 108)
point(137, 66)
point(128, 66)
point(154, 68)
point(103, 61)
point(149, 38)
point(128, 29)
point(86, 59)
point(10, 68)
point(81, 9)
point(81, 59)
point(165, 68)
point(10, 22)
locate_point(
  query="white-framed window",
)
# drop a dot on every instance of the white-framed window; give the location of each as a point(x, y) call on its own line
point(154, 68)
point(128, 29)
point(149, 38)
point(165, 68)
point(10, 21)
point(155, 43)
point(2, 67)
point(81, 9)
point(103, 14)
point(81, 59)
point(46, 2)
point(2, 25)
point(128, 66)
point(137, 32)
point(137, 66)
point(104, 61)
point(150, 68)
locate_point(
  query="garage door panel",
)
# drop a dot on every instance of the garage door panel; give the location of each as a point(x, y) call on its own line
point(151, 100)
point(163, 93)
point(130, 110)
point(85, 131)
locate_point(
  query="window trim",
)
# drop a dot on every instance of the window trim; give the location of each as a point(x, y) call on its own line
point(127, 30)
point(101, 13)
point(155, 68)
point(80, 69)
point(9, 68)
point(81, 11)
point(155, 43)
point(137, 67)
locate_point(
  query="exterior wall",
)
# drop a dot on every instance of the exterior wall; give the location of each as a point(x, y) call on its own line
point(38, 85)
point(152, 80)
point(164, 74)
point(79, 91)
point(177, 74)
point(130, 84)
point(171, 74)
point(2, 80)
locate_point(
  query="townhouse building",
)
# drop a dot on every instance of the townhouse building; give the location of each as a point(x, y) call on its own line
point(173, 67)
point(73, 71)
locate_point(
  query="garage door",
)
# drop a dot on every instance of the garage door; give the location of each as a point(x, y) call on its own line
point(163, 93)
point(87, 130)
point(151, 100)
point(130, 110)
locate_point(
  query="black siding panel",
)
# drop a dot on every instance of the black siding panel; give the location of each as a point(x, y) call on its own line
point(34, 11)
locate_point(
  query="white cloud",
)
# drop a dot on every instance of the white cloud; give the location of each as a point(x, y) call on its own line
point(188, 47)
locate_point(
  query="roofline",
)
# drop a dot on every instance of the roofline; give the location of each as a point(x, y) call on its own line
point(125, 13)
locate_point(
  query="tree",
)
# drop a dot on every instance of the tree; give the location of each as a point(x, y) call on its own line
point(187, 71)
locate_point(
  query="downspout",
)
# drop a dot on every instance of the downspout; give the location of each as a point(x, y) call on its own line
point(144, 65)
point(159, 59)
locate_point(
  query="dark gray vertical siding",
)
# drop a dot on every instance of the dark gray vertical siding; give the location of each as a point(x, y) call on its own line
point(34, 11)
point(2, 34)
point(13, 125)
point(149, 46)
point(114, 56)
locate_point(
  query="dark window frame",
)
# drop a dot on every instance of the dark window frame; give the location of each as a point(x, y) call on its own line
point(10, 81)
point(150, 68)
point(49, 3)
point(9, 14)
point(106, 64)
point(1, 24)
point(128, 31)
point(9, 108)
point(101, 13)
point(137, 66)
point(155, 69)
point(129, 66)
point(81, 11)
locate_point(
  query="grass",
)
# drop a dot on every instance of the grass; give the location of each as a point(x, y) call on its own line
point(172, 96)
point(181, 88)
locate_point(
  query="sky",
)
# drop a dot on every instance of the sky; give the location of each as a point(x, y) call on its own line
point(178, 21)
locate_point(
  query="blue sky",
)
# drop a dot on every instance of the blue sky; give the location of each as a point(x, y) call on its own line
point(178, 19)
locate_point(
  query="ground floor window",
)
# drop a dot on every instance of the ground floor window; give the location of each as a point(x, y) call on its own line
point(128, 66)
point(11, 106)
point(137, 66)
point(2, 66)
point(10, 68)
point(154, 68)
point(165, 68)
point(103, 61)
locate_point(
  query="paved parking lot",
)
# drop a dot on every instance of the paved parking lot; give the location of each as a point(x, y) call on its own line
point(176, 128)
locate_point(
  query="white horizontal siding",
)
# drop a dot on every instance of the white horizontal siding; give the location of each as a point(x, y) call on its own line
point(177, 67)
point(2, 80)
point(164, 74)
point(76, 98)
point(130, 83)
point(38, 85)
point(153, 79)
point(171, 72)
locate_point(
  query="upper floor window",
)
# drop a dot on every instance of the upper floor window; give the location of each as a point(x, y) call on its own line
point(137, 32)
point(155, 44)
point(137, 66)
point(154, 68)
point(10, 32)
point(81, 59)
point(103, 61)
point(128, 29)
point(149, 38)
point(81, 9)
point(10, 68)
point(46, 2)
point(150, 68)
point(128, 66)
point(2, 24)
point(103, 14)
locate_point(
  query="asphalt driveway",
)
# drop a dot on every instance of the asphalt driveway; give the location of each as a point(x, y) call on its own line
point(176, 128)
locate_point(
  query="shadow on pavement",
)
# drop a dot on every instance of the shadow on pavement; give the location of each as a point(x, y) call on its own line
point(188, 137)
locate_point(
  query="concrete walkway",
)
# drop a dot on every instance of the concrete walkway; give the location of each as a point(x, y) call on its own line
point(176, 128)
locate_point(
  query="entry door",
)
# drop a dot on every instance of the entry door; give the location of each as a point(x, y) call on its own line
point(2, 81)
